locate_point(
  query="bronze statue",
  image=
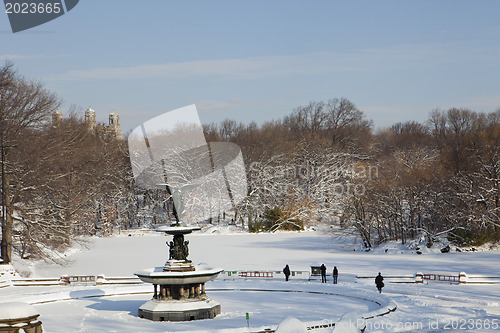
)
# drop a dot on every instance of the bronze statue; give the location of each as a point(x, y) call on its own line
point(178, 249)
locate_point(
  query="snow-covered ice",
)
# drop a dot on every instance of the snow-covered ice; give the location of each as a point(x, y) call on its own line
point(432, 307)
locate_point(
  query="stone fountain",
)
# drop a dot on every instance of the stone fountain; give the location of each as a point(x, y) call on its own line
point(171, 149)
point(179, 286)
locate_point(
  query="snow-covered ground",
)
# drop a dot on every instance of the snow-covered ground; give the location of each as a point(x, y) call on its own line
point(433, 307)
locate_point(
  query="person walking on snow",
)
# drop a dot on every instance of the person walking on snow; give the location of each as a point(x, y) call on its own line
point(286, 271)
point(379, 282)
point(323, 273)
point(335, 274)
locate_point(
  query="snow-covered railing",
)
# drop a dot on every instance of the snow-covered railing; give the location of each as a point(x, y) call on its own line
point(72, 280)
point(79, 280)
point(102, 279)
point(63, 280)
point(392, 278)
point(137, 232)
point(459, 278)
point(420, 277)
point(35, 282)
point(480, 279)
point(99, 280)
point(264, 274)
point(446, 277)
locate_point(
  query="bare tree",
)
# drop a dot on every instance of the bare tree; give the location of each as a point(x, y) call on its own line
point(24, 105)
point(346, 122)
point(306, 185)
point(337, 120)
point(70, 182)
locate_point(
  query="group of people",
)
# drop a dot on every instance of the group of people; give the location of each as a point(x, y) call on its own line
point(335, 273)
point(322, 268)
point(379, 279)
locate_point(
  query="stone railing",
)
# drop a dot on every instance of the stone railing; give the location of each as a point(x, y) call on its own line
point(262, 274)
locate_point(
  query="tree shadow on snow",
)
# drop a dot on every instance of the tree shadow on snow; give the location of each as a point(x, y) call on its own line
point(103, 304)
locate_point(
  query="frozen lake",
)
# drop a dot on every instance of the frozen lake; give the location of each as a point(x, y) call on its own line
point(432, 307)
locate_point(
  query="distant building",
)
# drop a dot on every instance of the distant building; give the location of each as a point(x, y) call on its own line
point(57, 118)
point(114, 125)
point(111, 130)
point(90, 119)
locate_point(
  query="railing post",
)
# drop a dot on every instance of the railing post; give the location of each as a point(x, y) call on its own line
point(64, 280)
point(100, 280)
point(462, 277)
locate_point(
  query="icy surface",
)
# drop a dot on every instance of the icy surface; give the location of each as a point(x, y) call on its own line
point(432, 307)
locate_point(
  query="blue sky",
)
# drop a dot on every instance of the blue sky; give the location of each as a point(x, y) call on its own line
point(258, 60)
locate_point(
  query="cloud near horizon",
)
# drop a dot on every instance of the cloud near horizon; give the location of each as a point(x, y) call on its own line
point(365, 60)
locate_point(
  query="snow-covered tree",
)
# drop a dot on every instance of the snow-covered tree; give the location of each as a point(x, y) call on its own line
point(24, 106)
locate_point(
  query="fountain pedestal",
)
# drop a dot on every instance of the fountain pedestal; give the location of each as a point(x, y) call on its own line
point(179, 287)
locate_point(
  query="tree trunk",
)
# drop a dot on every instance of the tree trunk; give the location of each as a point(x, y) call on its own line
point(6, 245)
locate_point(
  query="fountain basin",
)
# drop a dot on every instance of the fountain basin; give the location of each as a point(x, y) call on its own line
point(180, 310)
point(172, 230)
point(157, 275)
point(179, 295)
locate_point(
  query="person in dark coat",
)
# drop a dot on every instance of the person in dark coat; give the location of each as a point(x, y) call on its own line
point(335, 274)
point(286, 271)
point(323, 273)
point(379, 282)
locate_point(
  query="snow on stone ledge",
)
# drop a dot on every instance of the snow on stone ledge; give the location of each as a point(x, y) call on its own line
point(16, 310)
point(7, 272)
point(291, 325)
